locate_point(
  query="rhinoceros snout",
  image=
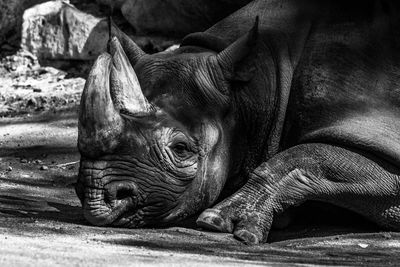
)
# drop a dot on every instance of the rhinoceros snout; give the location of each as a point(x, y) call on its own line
point(105, 205)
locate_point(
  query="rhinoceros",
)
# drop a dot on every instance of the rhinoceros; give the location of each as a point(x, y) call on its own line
point(251, 117)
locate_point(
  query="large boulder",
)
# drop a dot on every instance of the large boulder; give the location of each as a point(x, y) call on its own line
point(174, 17)
point(57, 30)
point(11, 16)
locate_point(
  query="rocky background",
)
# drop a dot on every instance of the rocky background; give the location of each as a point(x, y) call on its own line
point(47, 47)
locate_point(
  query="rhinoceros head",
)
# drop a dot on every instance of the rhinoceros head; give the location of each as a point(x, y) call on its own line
point(155, 139)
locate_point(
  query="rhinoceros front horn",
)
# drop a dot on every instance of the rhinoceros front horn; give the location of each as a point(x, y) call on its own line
point(99, 123)
point(111, 90)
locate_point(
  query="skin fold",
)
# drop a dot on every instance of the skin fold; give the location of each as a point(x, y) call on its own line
point(279, 103)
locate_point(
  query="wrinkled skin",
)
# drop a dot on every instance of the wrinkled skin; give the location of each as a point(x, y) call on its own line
point(153, 163)
point(304, 106)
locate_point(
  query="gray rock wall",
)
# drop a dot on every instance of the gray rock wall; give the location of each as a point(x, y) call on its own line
point(57, 30)
point(174, 17)
point(11, 16)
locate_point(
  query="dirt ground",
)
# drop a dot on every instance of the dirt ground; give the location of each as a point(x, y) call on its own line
point(41, 223)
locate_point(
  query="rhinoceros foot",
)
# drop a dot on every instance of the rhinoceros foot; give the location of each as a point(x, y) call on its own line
point(235, 215)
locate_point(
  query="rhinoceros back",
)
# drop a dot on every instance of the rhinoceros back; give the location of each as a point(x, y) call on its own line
point(346, 88)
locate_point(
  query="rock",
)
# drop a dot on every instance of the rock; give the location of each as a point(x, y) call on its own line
point(176, 17)
point(23, 161)
point(386, 235)
point(11, 16)
point(54, 71)
point(56, 30)
point(9, 168)
point(32, 102)
point(20, 63)
point(44, 168)
point(173, 18)
point(362, 245)
point(114, 3)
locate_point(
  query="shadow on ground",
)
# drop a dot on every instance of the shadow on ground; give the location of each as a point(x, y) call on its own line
point(36, 209)
point(39, 204)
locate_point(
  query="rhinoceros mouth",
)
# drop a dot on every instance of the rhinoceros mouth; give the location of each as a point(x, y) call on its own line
point(104, 215)
point(130, 219)
point(109, 204)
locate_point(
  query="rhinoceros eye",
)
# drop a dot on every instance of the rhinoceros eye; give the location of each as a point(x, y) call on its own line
point(180, 147)
point(181, 150)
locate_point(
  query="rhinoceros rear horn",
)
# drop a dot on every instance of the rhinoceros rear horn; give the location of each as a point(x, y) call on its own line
point(99, 122)
point(132, 50)
point(235, 53)
point(125, 91)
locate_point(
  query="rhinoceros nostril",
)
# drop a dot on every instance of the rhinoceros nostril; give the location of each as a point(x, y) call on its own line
point(124, 193)
point(119, 190)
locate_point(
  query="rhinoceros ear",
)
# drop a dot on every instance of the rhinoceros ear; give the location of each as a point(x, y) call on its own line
point(231, 57)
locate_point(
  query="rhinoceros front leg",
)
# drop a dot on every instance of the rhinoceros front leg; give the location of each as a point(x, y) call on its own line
point(351, 179)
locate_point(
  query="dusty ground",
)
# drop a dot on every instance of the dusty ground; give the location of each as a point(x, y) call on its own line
point(40, 217)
